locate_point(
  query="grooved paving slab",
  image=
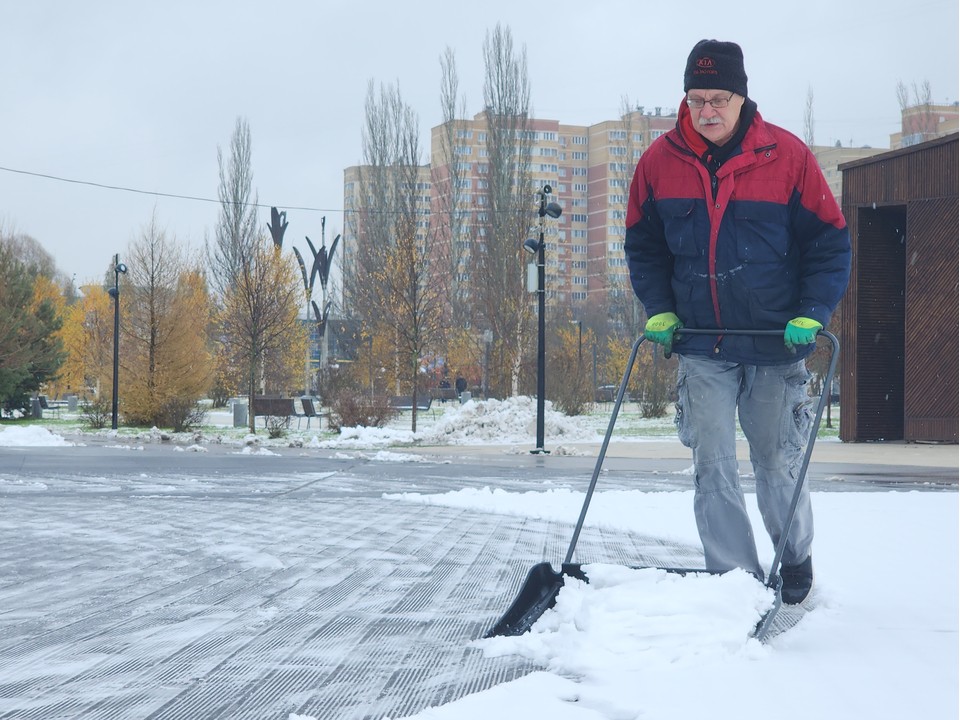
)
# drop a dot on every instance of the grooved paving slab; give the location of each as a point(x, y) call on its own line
point(132, 598)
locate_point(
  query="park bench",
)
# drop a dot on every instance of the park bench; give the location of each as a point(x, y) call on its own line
point(267, 407)
point(309, 411)
point(54, 406)
point(405, 402)
point(443, 394)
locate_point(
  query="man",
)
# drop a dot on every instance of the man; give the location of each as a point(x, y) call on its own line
point(731, 224)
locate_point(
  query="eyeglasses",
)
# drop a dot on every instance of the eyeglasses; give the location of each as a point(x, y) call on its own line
point(718, 103)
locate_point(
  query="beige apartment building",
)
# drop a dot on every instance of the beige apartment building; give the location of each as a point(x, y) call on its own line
point(588, 168)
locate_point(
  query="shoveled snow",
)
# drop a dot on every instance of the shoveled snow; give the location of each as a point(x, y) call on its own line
point(30, 436)
point(880, 643)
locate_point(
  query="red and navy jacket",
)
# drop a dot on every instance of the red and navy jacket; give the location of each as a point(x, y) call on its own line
point(758, 244)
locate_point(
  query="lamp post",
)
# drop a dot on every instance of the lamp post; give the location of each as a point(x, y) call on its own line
point(114, 292)
point(538, 246)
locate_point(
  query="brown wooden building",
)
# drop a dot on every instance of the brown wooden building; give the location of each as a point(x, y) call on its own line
point(899, 327)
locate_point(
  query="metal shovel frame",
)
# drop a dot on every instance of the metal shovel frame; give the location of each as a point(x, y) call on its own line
point(539, 591)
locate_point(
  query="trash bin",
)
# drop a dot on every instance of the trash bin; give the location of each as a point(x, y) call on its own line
point(465, 397)
point(240, 414)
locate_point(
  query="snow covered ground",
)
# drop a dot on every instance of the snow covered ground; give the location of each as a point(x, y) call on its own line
point(881, 641)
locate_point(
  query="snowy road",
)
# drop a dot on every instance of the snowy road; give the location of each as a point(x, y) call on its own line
point(256, 596)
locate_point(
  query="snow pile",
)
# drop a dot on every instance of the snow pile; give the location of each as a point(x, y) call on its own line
point(490, 421)
point(31, 436)
point(478, 422)
point(625, 615)
point(650, 644)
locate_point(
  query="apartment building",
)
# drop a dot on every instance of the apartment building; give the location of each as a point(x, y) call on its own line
point(588, 168)
point(923, 122)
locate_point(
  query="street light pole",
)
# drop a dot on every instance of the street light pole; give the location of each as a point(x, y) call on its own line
point(541, 336)
point(114, 292)
point(539, 246)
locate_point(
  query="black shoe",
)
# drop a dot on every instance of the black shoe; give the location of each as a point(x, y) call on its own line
point(797, 581)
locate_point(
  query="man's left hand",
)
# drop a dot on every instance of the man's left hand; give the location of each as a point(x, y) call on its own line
point(800, 331)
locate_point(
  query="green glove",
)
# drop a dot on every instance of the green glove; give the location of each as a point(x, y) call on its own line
point(800, 331)
point(660, 329)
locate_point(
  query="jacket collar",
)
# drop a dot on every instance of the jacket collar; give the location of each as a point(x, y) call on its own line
point(756, 135)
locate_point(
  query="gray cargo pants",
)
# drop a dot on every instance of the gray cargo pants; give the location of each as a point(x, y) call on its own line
point(776, 417)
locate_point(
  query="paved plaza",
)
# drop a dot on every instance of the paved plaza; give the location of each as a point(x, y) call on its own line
point(176, 585)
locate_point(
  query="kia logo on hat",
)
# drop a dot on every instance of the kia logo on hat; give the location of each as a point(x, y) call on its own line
point(705, 63)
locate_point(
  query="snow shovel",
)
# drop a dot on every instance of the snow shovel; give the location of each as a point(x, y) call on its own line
point(539, 591)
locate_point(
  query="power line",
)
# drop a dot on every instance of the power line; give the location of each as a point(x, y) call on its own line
point(155, 193)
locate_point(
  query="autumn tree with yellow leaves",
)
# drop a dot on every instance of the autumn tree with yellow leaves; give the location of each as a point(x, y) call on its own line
point(166, 365)
point(87, 336)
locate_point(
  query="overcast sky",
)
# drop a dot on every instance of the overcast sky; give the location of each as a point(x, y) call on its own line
point(141, 94)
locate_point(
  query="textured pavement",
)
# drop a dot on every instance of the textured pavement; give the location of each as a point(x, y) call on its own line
point(152, 584)
point(255, 596)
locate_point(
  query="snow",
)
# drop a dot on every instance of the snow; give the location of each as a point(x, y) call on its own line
point(881, 641)
point(30, 436)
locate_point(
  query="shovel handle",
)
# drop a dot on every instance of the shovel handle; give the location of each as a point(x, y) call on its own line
point(710, 331)
point(801, 477)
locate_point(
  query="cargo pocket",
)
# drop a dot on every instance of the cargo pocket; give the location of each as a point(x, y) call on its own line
point(798, 420)
point(685, 431)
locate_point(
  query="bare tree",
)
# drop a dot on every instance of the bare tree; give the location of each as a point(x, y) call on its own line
point(399, 280)
point(808, 123)
point(499, 265)
point(259, 322)
point(625, 309)
point(449, 188)
point(236, 231)
point(919, 122)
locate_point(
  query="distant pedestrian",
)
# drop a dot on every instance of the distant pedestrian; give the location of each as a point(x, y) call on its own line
point(461, 385)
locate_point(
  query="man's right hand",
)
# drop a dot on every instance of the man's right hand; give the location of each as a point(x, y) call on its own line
point(660, 329)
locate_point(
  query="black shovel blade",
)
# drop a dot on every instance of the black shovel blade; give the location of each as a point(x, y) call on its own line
point(537, 595)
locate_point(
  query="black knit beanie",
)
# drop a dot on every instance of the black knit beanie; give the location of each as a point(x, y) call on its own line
point(715, 65)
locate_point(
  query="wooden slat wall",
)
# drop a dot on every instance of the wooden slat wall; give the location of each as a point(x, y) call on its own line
point(921, 182)
point(932, 338)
